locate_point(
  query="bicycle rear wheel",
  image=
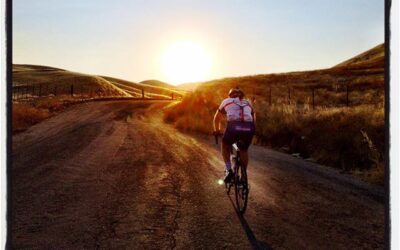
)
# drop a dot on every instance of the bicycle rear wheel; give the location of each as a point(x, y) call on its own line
point(241, 188)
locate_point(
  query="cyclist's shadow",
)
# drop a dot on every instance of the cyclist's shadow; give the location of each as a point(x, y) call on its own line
point(249, 233)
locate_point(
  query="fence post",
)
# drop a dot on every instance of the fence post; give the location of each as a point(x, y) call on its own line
point(33, 91)
point(270, 96)
point(142, 93)
point(289, 95)
point(40, 90)
point(55, 90)
point(72, 90)
point(347, 95)
point(172, 96)
point(313, 98)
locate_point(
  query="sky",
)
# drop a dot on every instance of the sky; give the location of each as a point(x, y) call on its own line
point(128, 38)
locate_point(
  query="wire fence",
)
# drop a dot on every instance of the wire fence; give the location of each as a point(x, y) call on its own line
point(313, 96)
point(327, 96)
point(81, 91)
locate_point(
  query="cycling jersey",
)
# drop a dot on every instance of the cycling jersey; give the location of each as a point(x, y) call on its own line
point(236, 109)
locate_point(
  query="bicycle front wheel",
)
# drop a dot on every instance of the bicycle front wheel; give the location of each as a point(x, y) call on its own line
point(241, 188)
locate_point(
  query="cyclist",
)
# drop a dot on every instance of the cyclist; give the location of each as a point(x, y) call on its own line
point(240, 126)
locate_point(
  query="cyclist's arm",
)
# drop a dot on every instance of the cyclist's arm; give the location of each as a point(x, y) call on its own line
point(217, 121)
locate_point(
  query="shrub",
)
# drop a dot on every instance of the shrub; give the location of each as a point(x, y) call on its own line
point(24, 116)
point(346, 138)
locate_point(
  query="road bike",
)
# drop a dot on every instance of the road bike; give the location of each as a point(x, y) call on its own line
point(239, 182)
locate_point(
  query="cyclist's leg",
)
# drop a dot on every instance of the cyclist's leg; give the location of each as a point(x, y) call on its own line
point(244, 157)
point(227, 141)
point(246, 137)
point(226, 154)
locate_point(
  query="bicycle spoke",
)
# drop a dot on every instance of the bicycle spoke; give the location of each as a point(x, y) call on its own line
point(241, 188)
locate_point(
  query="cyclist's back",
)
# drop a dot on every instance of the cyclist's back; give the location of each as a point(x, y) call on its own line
point(240, 126)
point(232, 107)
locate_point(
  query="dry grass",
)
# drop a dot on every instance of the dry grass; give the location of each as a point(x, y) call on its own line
point(350, 138)
point(52, 81)
point(346, 138)
point(24, 116)
point(58, 81)
point(27, 114)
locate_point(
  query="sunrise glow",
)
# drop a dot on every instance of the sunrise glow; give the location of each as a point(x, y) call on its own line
point(185, 61)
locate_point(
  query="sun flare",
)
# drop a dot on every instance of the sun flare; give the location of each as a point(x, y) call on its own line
point(185, 61)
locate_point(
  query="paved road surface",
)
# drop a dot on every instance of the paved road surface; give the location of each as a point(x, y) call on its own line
point(112, 175)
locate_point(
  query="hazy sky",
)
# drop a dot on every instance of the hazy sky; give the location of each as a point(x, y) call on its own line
point(126, 38)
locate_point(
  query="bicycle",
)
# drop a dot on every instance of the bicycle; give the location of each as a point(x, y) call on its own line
point(240, 181)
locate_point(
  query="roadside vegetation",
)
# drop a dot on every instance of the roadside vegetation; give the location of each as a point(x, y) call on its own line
point(26, 114)
point(345, 133)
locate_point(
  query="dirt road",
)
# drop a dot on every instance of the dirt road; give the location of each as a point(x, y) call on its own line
point(112, 175)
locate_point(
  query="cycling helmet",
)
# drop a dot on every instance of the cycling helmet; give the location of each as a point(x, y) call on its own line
point(240, 93)
point(233, 92)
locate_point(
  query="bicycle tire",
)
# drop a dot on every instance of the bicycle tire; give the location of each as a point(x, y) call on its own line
point(241, 188)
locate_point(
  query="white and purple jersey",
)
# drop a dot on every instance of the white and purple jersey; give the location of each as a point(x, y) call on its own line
point(237, 110)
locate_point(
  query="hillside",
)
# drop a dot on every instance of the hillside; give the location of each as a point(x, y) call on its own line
point(157, 83)
point(374, 56)
point(151, 88)
point(55, 81)
point(305, 112)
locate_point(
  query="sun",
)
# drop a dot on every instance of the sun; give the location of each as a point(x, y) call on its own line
point(185, 61)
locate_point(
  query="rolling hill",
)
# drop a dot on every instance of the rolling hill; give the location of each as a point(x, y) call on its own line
point(372, 57)
point(157, 83)
point(54, 80)
point(151, 88)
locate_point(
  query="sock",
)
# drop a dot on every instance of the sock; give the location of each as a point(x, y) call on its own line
point(228, 166)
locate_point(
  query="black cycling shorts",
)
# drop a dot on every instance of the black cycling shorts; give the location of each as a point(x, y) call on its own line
point(237, 130)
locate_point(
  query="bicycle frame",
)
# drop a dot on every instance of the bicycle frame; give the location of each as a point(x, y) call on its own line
point(239, 182)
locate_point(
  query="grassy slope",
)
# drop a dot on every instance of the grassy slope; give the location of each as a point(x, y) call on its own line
point(347, 138)
point(50, 78)
point(158, 84)
point(150, 88)
point(376, 54)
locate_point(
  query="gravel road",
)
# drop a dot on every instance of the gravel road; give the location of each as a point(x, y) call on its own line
point(112, 175)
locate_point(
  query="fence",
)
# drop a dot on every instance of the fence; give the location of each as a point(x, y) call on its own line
point(31, 92)
point(328, 96)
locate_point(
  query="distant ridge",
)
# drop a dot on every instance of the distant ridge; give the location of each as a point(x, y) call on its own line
point(372, 57)
point(157, 83)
